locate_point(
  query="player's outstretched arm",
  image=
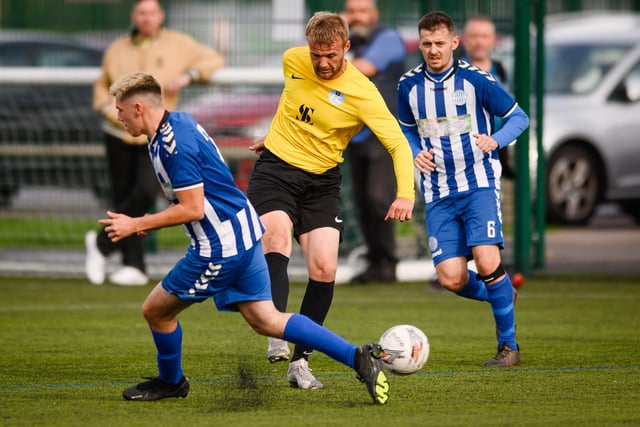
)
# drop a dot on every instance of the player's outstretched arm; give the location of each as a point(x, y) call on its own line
point(258, 146)
point(400, 210)
point(190, 208)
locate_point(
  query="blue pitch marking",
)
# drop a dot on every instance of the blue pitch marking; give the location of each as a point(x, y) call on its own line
point(421, 373)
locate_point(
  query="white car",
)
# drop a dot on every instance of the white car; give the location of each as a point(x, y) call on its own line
point(591, 128)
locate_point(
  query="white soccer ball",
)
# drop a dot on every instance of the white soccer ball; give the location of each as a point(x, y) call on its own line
point(405, 349)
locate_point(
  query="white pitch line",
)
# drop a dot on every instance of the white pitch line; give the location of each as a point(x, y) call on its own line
point(68, 307)
point(491, 371)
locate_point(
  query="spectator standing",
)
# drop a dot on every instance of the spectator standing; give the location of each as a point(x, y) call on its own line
point(176, 60)
point(378, 53)
point(478, 42)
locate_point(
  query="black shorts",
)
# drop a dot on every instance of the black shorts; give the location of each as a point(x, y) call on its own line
point(311, 200)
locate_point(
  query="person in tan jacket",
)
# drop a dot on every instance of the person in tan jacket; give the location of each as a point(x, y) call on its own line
point(176, 60)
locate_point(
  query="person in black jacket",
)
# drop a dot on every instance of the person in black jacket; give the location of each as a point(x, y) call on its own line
point(478, 42)
point(379, 53)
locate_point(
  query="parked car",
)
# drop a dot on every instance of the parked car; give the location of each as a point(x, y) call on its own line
point(235, 118)
point(48, 131)
point(50, 135)
point(591, 128)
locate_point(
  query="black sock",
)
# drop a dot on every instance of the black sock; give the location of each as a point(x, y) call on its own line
point(315, 305)
point(279, 279)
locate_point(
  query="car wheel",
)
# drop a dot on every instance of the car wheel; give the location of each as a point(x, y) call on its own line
point(632, 208)
point(573, 185)
point(6, 194)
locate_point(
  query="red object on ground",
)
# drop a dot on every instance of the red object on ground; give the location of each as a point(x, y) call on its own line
point(517, 280)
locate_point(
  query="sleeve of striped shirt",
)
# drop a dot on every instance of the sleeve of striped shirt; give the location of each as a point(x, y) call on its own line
point(515, 122)
point(408, 121)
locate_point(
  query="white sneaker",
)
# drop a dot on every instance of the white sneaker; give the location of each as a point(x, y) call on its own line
point(278, 350)
point(299, 375)
point(95, 262)
point(128, 276)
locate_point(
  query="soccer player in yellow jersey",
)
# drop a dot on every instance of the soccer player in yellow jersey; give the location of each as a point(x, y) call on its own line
point(296, 180)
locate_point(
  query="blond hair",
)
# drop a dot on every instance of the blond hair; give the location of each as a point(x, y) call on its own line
point(434, 20)
point(138, 83)
point(324, 27)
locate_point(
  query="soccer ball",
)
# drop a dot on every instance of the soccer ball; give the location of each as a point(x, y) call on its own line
point(405, 349)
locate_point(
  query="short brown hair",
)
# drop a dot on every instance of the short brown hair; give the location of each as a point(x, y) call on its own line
point(324, 27)
point(138, 83)
point(432, 20)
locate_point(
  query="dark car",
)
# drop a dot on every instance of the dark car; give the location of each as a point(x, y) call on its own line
point(49, 133)
point(235, 118)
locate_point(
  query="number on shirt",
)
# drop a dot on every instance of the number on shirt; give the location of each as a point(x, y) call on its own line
point(491, 229)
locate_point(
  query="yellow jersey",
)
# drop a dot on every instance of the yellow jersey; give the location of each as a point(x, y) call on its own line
point(317, 118)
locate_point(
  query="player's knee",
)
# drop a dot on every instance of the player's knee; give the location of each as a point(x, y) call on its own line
point(153, 316)
point(493, 275)
point(276, 241)
point(453, 285)
point(153, 320)
point(453, 282)
point(147, 313)
point(323, 271)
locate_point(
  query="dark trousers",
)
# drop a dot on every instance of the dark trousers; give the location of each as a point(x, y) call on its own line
point(134, 188)
point(374, 189)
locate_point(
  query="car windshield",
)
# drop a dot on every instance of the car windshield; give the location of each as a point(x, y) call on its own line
point(578, 69)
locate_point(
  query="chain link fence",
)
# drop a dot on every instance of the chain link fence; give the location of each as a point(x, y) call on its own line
point(53, 183)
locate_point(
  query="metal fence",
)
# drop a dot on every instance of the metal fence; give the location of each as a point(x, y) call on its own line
point(53, 186)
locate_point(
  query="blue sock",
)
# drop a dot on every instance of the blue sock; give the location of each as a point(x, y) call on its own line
point(169, 355)
point(501, 300)
point(304, 331)
point(474, 289)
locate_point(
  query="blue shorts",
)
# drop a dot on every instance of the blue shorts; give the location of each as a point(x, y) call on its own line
point(244, 277)
point(460, 221)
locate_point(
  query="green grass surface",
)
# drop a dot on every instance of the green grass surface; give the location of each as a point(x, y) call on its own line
point(69, 349)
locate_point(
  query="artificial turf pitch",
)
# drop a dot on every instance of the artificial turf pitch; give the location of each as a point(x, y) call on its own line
point(68, 349)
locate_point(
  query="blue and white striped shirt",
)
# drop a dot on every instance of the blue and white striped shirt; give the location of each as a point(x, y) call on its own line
point(185, 157)
point(441, 112)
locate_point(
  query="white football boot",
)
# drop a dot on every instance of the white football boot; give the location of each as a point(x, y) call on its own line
point(278, 350)
point(299, 375)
